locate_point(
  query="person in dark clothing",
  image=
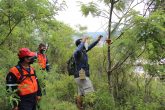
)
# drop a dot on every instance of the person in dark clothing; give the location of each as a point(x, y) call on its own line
point(82, 69)
point(22, 79)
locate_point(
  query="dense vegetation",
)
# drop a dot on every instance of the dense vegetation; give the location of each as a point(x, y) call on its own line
point(140, 42)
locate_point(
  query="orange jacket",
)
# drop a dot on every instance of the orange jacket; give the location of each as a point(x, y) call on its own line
point(27, 83)
point(42, 60)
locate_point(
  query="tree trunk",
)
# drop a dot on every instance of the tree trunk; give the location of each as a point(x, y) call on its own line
point(109, 51)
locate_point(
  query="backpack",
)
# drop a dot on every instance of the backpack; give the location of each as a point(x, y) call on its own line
point(71, 66)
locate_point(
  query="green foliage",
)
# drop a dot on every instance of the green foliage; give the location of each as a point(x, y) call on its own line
point(90, 8)
point(57, 42)
point(6, 98)
point(26, 23)
point(107, 1)
point(15, 12)
point(120, 5)
point(9, 56)
point(60, 91)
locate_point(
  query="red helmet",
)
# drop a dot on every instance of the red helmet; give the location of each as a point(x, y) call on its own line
point(25, 52)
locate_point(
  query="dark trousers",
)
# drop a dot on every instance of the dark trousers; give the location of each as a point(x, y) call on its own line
point(27, 102)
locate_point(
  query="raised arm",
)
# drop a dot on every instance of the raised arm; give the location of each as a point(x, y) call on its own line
point(94, 43)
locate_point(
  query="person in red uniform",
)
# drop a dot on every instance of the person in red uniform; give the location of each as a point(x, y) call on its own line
point(42, 58)
point(22, 78)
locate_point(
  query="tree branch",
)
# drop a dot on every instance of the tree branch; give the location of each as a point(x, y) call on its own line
point(116, 14)
point(102, 16)
point(10, 31)
point(119, 64)
point(122, 34)
point(129, 8)
point(148, 8)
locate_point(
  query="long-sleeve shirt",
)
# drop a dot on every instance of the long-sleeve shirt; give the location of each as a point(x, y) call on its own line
point(81, 58)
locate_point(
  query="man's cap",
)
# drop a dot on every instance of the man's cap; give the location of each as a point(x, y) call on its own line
point(78, 41)
point(25, 52)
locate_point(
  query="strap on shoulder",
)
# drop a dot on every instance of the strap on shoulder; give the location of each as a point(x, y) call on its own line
point(20, 71)
point(22, 75)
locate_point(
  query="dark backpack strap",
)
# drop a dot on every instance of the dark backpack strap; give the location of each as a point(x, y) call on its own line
point(34, 73)
point(75, 63)
point(22, 75)
point(21, 72)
